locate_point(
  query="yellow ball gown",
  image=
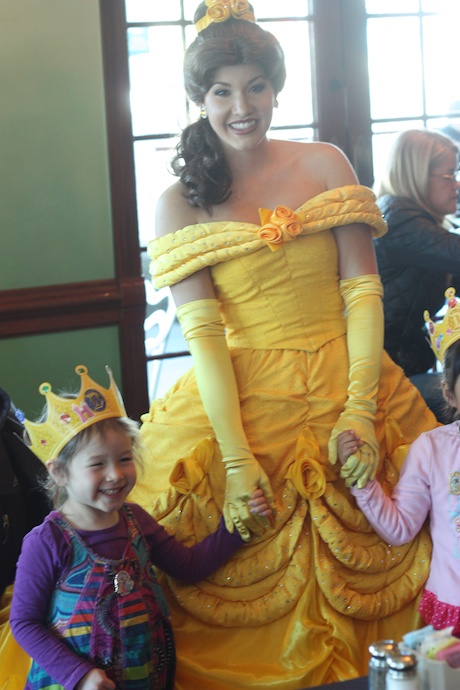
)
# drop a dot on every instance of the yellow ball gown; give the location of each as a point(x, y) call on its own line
point(300, 605)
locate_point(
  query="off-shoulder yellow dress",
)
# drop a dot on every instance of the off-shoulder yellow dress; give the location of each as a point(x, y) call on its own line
point(300, 605)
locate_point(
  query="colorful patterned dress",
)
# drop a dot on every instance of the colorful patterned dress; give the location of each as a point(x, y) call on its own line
point(112, 612)
point(300, 606)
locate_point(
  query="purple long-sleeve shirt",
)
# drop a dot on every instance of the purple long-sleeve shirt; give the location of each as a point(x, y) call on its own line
point(45, 555)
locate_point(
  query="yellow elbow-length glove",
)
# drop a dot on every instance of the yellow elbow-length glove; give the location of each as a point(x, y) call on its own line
point(363, 302)
point(204, 331)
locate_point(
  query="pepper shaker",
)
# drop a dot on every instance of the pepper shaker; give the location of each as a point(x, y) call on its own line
point(378, 662)
point(402, 672)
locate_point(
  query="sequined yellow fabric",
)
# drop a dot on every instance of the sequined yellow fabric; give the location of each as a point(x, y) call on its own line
point(298, 606)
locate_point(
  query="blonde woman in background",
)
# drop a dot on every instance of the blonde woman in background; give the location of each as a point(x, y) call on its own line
point(418, 258)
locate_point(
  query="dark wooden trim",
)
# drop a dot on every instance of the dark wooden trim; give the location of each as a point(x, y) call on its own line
point(51, 308)
point(341, 88)
point(328, 71)
point(120, 138)
point(124, 202)
point(30, 311)
point(76, 306)
point(358, 102)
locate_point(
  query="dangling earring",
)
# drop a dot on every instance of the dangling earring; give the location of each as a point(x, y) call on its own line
point(275, 105)
point(203, 113)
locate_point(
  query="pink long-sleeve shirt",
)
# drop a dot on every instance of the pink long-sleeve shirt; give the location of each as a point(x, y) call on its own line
point(429, 483)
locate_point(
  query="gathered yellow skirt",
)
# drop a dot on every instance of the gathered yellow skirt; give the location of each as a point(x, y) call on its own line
point(299, 606)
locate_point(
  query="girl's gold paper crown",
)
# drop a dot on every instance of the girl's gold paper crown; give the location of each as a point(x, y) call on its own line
point(447, 331)
point(221, 10)
point(66, 417)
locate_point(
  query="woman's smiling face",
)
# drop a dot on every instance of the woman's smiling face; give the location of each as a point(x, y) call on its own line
point(239, 106)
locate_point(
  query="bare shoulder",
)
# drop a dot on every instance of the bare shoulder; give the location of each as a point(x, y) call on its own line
point(319, 165)
point(331, 162)
point(173, 211)
point(317, 150)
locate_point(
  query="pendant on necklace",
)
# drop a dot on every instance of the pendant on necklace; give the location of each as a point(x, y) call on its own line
point(123, 583)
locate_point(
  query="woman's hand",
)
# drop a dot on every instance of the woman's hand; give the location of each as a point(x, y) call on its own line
point(244, 478)
point(362, 465)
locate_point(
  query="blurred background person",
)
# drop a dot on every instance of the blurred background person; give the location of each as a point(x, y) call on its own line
point(452, 130)
point(419, 257)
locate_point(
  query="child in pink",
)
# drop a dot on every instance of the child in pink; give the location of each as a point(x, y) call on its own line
point(428, 486)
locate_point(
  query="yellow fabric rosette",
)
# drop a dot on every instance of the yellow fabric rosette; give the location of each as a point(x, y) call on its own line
point(240, 8)
point(307, 473)
point(218, 11)
point(188, 472)
point(221, 10)
point(279, 226)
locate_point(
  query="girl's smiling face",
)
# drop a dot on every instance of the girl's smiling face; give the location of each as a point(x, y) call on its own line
point(98, 479)
point(239, 106)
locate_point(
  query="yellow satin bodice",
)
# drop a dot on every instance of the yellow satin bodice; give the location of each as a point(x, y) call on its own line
point(250, 281)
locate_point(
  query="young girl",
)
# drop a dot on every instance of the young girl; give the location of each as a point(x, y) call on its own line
point(86, 605)
point(429, 484)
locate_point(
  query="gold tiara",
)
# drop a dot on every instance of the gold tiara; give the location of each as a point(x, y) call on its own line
point(221, 10)
point(67, 416)
point(447, 331)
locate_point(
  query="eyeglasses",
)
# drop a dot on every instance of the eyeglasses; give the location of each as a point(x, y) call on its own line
point(455, 177)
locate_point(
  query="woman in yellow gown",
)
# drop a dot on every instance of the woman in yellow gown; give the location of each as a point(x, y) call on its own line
point(267, 247)
point(262, 291)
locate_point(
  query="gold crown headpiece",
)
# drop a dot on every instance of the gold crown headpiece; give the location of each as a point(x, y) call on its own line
point(447, 331)
point(66, 417)
point(221, 10)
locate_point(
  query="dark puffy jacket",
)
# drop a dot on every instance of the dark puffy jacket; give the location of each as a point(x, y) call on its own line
point(417, 260)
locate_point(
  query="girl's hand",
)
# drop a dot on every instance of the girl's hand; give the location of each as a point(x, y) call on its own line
point(348, 443)
point(258, 506)
point(95, 679)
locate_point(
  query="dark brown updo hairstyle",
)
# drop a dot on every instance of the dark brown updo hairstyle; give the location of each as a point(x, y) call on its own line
point(451, 372)
point(199, 161)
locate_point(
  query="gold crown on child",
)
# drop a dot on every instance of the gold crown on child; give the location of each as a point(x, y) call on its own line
point(67, 416)
point(221, 10)
point(447, 331)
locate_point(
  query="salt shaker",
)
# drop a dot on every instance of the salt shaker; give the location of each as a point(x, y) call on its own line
point(402, 672)
point(378, 662)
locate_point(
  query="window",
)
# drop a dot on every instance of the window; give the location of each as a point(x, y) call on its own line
point(412, 45)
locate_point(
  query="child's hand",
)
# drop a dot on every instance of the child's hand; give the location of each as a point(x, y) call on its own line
point(348, 443)
point(259, 506)
point(95, 679)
